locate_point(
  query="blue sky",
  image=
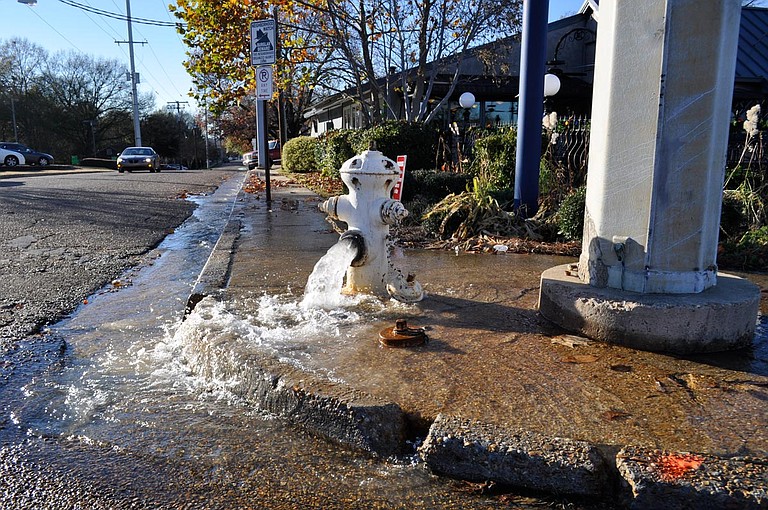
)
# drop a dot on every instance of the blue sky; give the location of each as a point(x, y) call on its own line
point(55, 26)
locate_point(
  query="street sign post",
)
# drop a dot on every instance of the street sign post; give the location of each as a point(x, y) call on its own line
point(397, 191)
point(263, 56)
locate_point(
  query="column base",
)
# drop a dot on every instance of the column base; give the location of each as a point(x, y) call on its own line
point(723, 317)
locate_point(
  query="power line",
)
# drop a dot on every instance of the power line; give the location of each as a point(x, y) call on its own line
point(99, 24)
point(54, 29)
point(120, 17)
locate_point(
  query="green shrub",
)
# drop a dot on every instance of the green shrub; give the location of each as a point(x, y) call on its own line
point(433, 185)
point(494, 158)
point(299, 154)
point(417, 207)
point(548, 183)
point(570, 216)
point(734, 215)
point(394, 138)
point(424, 188)
point(334, 148)
point(470, 213)
point(749, 253)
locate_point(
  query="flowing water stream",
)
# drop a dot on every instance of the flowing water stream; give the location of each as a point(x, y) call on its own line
point(121, 421)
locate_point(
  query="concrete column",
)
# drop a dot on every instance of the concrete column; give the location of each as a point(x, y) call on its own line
point(664, 82)
point(647, 275)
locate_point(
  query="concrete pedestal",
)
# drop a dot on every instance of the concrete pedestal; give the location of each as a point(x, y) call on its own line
point(647, 276)
point(721, 318)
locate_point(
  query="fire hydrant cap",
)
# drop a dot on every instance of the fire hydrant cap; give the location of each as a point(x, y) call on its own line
point(370, 162)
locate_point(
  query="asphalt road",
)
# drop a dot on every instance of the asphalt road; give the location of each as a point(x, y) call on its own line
point(65, 234)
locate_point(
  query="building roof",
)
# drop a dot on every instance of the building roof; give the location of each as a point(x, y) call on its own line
point(751, 76)
point(752, 57)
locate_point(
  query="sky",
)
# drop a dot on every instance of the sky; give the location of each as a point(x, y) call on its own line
point(58, 25)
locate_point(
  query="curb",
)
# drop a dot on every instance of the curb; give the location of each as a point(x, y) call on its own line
point(215, 274)
point(659, 479)
point(332, 410)
point(214, 277)
point(479, 452)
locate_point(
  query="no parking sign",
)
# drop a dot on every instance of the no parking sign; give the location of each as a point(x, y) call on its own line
point(397, 191)
point(264, 82)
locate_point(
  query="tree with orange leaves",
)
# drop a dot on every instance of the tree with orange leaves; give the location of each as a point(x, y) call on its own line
point(217, 34)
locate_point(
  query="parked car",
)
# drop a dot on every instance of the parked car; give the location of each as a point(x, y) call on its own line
point(134, 158)
point(274, 150)
point(11, 158)
point(31, 156)
point(251, 159)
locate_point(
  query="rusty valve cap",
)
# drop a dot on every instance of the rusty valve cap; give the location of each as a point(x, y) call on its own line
point(402, 336)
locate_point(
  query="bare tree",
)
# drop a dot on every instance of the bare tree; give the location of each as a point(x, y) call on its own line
point(419, 41)
point(80, 89)
point(21, 62)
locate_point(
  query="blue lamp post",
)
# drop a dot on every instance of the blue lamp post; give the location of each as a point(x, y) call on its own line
point(533, 58)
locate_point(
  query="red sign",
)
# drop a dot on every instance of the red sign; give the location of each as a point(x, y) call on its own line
point(398, 189)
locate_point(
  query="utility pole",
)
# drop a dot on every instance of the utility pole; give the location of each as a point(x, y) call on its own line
point(177, 106)
point(533, 57)
point(207, 159)
point(281, 120)
point(134, 78)
point(91, 123)
point(13, 115)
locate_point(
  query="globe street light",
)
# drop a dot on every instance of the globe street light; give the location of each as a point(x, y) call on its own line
point(467, 99)
point(551, 85)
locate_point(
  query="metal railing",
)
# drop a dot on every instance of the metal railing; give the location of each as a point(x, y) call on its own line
point(568, 149)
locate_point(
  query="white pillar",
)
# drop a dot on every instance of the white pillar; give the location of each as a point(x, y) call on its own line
point(664, 72)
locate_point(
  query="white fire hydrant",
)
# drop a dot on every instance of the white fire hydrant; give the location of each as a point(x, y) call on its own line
point(368, 212)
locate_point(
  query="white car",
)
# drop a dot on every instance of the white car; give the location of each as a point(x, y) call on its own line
point(11, 158)
point(251, 160)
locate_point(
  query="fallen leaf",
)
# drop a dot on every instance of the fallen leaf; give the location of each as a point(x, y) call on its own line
point(621, 368)
point(571, 341)
point(673, 466)
point(615, 415)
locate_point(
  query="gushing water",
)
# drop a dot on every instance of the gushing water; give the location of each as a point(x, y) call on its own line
point(323, 289)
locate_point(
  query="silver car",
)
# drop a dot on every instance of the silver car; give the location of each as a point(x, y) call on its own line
point(136, 158)
point(11, 158)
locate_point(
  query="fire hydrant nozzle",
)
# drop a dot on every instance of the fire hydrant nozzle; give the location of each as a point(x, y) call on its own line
point(356, 240)
point(392, 211)
point(329, 207)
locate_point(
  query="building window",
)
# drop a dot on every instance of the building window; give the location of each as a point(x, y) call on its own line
point(501, 113)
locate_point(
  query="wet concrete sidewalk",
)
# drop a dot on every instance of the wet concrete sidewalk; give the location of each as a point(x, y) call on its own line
point(495, 367)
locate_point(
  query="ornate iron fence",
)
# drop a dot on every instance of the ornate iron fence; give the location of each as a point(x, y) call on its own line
point(568, 148)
